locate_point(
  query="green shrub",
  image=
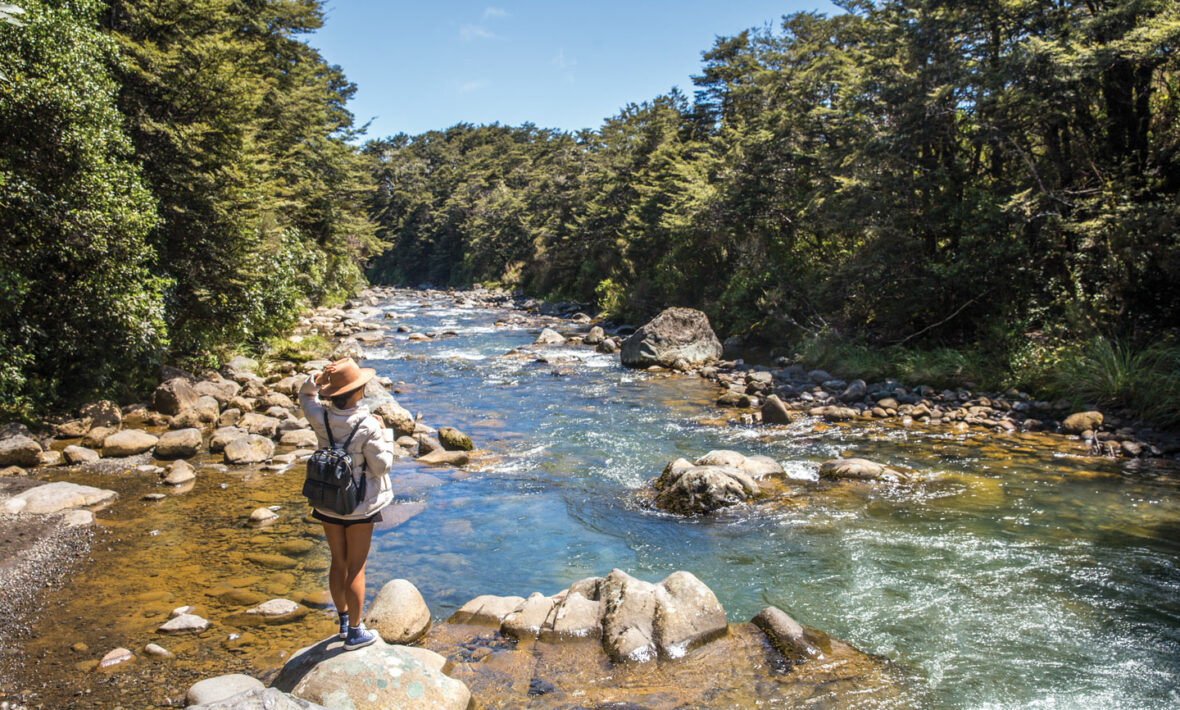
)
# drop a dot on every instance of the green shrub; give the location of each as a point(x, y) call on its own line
point(1111, 373)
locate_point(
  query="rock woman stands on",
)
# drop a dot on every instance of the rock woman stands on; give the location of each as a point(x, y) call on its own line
point(342, 385)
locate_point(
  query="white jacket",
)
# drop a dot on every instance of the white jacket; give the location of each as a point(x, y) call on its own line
point(370, 451)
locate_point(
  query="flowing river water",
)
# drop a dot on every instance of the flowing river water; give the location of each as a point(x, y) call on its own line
point(1018, 573)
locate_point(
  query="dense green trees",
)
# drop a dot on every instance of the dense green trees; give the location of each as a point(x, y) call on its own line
point(909, 171)
point(174, 181)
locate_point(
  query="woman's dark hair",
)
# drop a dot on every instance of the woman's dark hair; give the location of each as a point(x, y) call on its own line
point(340, 401)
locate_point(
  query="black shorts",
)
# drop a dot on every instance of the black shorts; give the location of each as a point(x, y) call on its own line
point(374, 518)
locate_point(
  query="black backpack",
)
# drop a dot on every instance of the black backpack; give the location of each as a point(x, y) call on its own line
point(329, 484)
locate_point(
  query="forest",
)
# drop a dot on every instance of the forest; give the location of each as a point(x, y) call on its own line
point(981, 193)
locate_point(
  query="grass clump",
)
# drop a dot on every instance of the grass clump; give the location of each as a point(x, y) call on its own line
point(1111, 373)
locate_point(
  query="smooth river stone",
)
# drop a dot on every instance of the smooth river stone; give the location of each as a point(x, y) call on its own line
point(185, 623)
point(298, 546)
point(222, 687)
point(115, 657)
point(128, 443)
point(399, 613)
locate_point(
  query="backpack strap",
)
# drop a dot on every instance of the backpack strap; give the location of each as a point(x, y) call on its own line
point(328, 428)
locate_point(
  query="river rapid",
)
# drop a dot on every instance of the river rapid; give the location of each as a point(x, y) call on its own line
point(1018, 572)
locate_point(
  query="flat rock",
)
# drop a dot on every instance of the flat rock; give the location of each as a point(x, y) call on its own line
point(299, 438)
point(275, 608)
point(128, 442)
point(183, 624)
point(445, 458)
point(376, 676)
point(57, 496)
point(212, 690)
point(399, 613)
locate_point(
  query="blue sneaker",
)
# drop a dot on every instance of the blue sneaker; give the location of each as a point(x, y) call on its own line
point(359, 637)
point(343, 626)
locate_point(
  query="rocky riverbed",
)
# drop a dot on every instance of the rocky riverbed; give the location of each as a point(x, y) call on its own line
point(204, 563)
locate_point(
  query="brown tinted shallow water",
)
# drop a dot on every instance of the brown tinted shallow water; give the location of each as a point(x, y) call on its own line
point(1014, 572)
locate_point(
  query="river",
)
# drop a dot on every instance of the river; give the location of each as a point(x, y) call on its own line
point(1018, 573)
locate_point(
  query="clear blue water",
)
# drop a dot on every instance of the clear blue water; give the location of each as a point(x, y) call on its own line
point(1016, 574)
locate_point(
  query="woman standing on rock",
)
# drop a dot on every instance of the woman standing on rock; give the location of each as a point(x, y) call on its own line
point(342, 385)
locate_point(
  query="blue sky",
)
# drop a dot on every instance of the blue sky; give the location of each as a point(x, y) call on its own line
point(559, 64)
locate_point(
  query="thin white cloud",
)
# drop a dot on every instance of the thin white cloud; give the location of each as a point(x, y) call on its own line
point(470, 86)
point(470, 32)
point(563, 62)
point(494, 12)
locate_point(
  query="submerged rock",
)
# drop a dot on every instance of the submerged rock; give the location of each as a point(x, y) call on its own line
point(675, 334)
point(454, 440)
point(859, 470)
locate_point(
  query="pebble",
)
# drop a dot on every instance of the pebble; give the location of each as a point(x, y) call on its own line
point(261, 516)
point(157, 651)
point(184, 623)
point(115, 657)
point(187, 609)
point(154, 496)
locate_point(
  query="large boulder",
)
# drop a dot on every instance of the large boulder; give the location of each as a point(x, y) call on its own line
point(399, 613)
point(676, 334)
point(179, 444)
point(174, 396)
point(222, 390)
point(128, 442)
point(19, 450)
point(249, 449)
point(376, 676)
point(696, 490)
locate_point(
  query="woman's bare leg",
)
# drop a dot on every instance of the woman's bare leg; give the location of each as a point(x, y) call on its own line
point(338, 572)
point(357, 541)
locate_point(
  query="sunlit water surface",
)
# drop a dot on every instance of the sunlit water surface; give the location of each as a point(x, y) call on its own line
point(1018, 573)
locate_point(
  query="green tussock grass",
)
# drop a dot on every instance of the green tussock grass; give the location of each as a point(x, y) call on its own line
point(1143, 382)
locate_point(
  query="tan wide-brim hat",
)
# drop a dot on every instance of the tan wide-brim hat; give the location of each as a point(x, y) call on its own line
point(345, 376)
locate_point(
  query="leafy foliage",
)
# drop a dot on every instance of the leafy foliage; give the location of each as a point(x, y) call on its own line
point(172, 187)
